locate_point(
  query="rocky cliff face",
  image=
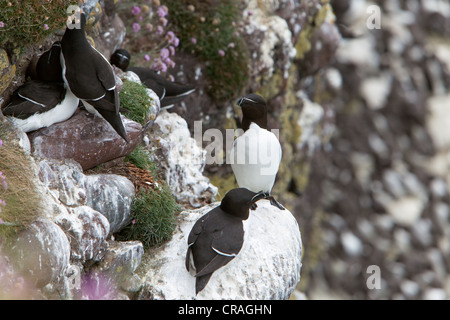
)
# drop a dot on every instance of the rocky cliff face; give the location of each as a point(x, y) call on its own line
point(381, 190)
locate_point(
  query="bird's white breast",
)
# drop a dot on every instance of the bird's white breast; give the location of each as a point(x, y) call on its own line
point(59, 113)
point(255, 158)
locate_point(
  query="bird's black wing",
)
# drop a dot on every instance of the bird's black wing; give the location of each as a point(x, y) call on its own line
point(193, 235)
point(146, 77)
point(105, 75)
point(34, 97)
point(46, 93)
point(227, 243)
point(104, 70)
point(21, 108)
point(217, 262)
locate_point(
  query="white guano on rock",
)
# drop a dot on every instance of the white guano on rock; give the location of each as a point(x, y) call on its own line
point(267, 267)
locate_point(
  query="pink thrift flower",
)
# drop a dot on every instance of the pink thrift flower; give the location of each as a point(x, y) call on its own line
point(136, 10)
point(170, 63)
point(97, 287)
point(136, 27)
point(193, 41)
point(164, 53)
point(159, 30)
point(172, 50)
point(162, 11)
point(170, 36)
point(221, 52)
point(147, 57)
point(2, 24)
point(171, 78)
point(160, 66)
point(45, 26)
point(163, 21)
point(1, 143)
point(176, 42)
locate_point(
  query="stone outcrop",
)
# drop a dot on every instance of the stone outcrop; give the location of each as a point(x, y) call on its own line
point(267, 267)
point(110, 195)
point(85, 138)
point(181, 159)
point(380, 193)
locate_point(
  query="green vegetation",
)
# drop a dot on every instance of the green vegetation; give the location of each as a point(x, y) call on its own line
point(153, 213)
point(153, 209)
point(26, 22)
point(139, 157)
point(209, 30)
point(134, 98)
point(21, 202)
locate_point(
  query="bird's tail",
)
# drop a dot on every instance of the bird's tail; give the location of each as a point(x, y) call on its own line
point(201, 282)
point(115, 121)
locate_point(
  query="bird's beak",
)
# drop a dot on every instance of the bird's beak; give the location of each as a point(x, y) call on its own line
point(258, 196)
point(241, 100)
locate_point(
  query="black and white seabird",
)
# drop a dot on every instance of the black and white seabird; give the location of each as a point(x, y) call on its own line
point(256, 154)
point(48, 67)
point(38, 104)
point(90, 76)
point(168, 92)
point(217, 237)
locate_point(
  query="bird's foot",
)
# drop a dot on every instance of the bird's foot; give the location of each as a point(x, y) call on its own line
point(275, 203)
point(254, 206)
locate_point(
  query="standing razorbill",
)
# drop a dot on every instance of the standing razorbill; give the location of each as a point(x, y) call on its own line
point(90, 77)
point(256, 155)
point(38, 104)
point(217, 237)
point(168, 92)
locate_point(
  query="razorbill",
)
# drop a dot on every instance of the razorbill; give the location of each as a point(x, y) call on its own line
point(256, 154)
point(48, 67)
point(168, 92)
point(217, 237)
point(90, 76)
point(37, 104)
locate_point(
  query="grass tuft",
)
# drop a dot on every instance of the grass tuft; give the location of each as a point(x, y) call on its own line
point(134, 98)
point(26, 22)
point(140, 158)
point(154, 209)
point(23, 203)
point(153, 213)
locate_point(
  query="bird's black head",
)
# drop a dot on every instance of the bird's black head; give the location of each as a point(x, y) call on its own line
point(54, 52)
point(121, 58)
point(254, 109)
point(237, 202)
